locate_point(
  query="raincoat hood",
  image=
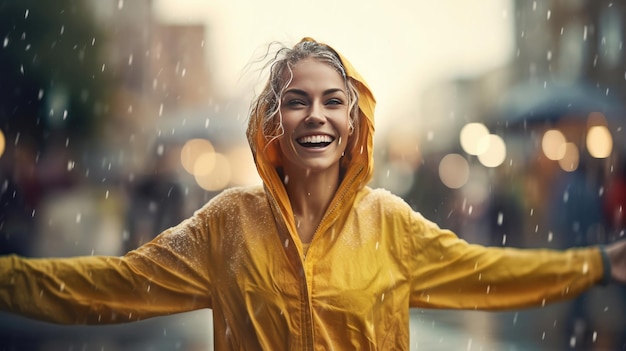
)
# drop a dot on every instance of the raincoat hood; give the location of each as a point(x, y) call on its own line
point(357, 163)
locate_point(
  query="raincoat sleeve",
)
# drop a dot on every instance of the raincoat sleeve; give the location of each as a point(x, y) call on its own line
point(165, 276)
point(448, 272)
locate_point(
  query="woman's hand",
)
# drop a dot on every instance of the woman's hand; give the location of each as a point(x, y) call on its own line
point(617, 256)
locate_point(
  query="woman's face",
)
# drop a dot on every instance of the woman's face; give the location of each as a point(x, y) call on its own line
point(315, 115)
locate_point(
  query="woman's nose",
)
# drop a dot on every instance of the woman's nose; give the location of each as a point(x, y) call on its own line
point(316, 115)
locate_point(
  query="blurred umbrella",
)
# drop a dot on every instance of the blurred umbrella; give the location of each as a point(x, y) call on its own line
point(534, 103)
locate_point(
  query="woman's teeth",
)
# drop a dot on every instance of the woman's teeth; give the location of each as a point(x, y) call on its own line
point(315, 140)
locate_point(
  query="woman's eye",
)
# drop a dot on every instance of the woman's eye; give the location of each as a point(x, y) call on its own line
point(295, 102)
point(334, 102)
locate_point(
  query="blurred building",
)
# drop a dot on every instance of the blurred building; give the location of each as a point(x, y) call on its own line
point(573, 46)
point(565, 79)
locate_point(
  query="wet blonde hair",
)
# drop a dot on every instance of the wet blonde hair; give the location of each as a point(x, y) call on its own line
point(268, 102)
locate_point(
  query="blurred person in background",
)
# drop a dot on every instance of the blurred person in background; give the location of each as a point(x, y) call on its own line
point(615, 201)
point(20, 193)
point(313, 258)
point(156, 197)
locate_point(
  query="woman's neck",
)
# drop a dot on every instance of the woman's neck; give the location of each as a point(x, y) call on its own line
point(310, 194)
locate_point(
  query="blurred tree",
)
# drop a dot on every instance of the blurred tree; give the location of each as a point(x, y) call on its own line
point(52, 74)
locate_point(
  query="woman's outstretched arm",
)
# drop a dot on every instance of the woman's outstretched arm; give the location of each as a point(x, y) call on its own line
point(167, 275)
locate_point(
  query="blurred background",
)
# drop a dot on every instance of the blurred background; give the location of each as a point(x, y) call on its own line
point(501, 120)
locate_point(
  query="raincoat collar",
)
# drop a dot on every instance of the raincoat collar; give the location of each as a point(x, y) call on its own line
point(357, 163)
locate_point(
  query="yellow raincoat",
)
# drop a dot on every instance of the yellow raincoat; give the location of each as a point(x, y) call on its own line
point(371, 259)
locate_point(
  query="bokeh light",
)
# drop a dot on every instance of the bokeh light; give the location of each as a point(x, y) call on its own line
point(219, 177)
point(493, 150)
point(552, 144)
point(599, 142)
point(205, 163)
point(243, 169)
point(2, 143)
point(571, 157)
point(192, 151)
point(453, 171)
point(470, 136)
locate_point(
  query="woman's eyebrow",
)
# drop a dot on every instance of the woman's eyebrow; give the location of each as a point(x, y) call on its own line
point(304, 93)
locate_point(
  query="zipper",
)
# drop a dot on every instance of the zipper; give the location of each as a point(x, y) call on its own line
point(307, 315)
point(307, 306)
point(336, 203)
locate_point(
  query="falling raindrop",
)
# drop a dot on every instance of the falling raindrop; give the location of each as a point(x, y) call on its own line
point(504, 239)
point(78, 217)
point(120, 4)
point(26, 13)
point(62, 30)
point(500, 218)
point(550, 237)
point(6, 42)
point(130, 59)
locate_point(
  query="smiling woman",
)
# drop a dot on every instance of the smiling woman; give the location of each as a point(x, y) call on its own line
point(312, 259)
